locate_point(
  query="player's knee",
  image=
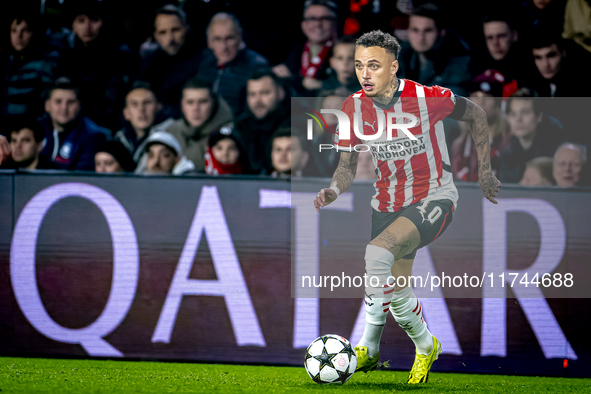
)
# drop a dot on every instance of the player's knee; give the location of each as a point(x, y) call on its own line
point(378, 259)
point(378, 264)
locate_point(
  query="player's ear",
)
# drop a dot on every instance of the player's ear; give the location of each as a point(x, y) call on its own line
point(395, 66)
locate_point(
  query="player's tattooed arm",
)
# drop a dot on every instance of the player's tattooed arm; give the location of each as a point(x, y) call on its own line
point(475, 115)
point(346, 170)
point(342, 179)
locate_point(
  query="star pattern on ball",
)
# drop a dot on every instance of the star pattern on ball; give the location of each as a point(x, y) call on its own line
point(343, 376)
point(324, 358)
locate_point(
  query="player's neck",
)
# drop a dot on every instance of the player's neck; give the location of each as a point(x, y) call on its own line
point(386, 97)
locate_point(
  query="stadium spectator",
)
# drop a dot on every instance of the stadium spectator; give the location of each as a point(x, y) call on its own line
point(174, 60)
point(5, 151)
point(29, 67)
point(546, 15)
point(324, 163)
point(306, 65)
point(141, 106)
point(486, 92)
point(267, 110)
point(568, 162)
point(102, 68)
point(557, 73)
point(26, 143)
point(113, 157)
point(71, 138)
point(433, 55)
point(577, 23)
point(225, 154)
point(163, 155)
point(227, 62)
point(538, 172)
point(504, 51)
point(288, 153)
point(366, 171)
point(532, 135)
point(203, 112)
point(342, 67)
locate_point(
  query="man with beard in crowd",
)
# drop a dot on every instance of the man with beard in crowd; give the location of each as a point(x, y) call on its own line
point(267, 110)
point(175, 59)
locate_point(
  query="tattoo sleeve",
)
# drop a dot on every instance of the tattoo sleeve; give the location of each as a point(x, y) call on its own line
point(480, 134)
point(346, 170)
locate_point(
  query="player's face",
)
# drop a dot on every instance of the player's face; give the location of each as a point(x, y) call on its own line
point(20, 35)
point(105, 163)
point(375, 69)
point(86, 29)
point(422, 33)
point(224, 41)
point(63, 106)
point(522, 118)
point(161, 159)
point(140, 108)
point(499, 38)
point(319, 24)
point(343, 62)
point(531, 177)
point(196, 106)
point(263, 96)
point(548, 60)
point(566, 167)
point(225, 151)
point(170, 33)
point(23, 145)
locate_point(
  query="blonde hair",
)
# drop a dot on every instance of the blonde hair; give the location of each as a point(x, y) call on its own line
point(543, 165)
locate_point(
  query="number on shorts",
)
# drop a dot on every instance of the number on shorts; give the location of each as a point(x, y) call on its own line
point(434, 214)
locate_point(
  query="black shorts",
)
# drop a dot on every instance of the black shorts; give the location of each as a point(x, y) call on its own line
point(430, 217)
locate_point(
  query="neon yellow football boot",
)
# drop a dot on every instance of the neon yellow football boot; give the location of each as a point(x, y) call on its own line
point(364, 362)
point(422, 365)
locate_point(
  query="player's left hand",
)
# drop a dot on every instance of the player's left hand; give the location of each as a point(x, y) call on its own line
point(5, 150)
point(490, 185)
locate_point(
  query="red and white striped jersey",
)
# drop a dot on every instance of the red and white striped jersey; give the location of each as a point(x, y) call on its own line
point(408, 171)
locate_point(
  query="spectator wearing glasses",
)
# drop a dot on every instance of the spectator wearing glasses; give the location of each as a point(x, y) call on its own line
point(307, 64)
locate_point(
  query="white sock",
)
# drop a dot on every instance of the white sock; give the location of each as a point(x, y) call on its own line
point(371, 338)
point(408, 313)
point(378, 264)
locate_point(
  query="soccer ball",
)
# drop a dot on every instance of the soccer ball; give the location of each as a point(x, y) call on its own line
point(330, 359)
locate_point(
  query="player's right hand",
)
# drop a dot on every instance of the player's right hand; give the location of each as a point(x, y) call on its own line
point(324, 197)
point(5, 150)
point(490, 185)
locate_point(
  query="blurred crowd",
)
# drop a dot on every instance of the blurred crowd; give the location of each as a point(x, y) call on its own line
point(191, 95)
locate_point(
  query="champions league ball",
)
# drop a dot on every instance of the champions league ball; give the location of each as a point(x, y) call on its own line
point(330, 359)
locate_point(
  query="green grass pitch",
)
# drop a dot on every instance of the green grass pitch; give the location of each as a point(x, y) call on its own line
point(30, 375)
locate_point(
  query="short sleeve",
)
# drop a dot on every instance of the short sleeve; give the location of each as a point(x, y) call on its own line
point(441, 102)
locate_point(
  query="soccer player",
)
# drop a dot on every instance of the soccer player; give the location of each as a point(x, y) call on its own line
point(415, 195)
